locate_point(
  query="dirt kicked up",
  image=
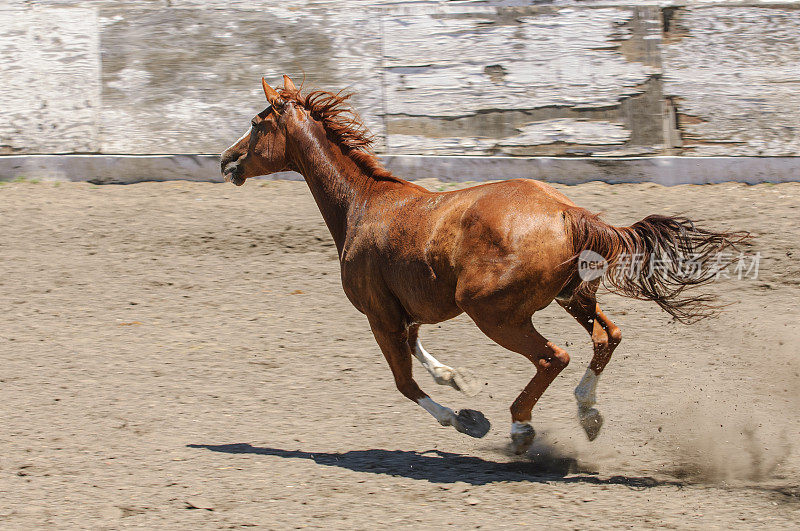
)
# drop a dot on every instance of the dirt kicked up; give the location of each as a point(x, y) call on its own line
point(181, 355)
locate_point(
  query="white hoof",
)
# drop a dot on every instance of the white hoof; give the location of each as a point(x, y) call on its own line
point(459, 379)
point(591, 421)
point(443, 375)
point(464, 381)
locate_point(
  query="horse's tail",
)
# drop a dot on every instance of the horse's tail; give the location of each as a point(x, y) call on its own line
point(655, 259)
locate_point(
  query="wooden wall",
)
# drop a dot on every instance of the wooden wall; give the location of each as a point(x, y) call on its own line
point(472, 77)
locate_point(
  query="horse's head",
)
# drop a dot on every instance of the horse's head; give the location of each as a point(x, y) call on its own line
point(262, 149)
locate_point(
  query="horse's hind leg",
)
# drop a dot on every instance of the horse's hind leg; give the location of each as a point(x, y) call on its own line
point(549, 360)
point(459, 379)
point(605, 338)
point(394, 343)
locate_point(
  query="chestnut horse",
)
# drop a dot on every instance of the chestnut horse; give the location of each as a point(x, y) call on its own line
point(498, 252)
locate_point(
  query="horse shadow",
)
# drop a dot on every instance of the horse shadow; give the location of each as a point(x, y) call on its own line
point(436, 466)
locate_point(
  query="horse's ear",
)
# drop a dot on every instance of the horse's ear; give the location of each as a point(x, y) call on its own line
point(270, 93)
point(288, 84)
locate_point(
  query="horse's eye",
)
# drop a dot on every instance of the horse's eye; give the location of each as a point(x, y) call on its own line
point(253, 123)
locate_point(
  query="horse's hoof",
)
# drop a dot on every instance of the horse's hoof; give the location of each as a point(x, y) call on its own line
point(472, 422)
point(522, 436)
point(464, 381)
point(591, 422)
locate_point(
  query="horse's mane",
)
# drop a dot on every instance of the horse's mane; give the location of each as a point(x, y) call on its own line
point(344, 127)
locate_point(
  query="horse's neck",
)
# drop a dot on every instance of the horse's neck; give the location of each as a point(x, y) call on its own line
point(336, 181)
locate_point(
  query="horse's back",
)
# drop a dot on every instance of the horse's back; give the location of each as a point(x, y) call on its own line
point(511, 216)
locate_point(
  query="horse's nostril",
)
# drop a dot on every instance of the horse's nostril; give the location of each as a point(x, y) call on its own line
point(227, 159)
point(231, 169)
point(228, 164)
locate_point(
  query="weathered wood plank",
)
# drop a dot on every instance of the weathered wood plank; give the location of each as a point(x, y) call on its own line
point(188, 80)
point(49, 93)
point(734, 74)
point(451, 64)
point(83, 4)
point(338, 5)
point(558, 131)
point(502, 72)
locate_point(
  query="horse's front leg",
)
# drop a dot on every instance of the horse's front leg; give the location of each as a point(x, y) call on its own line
point(394, 343)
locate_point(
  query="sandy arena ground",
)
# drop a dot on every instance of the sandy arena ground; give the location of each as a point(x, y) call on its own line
point(181, 355)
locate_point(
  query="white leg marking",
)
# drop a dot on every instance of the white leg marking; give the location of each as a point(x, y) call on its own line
point(444, 415)
point(586, 391)
point(586, 394)
point(522, 435)
point(520, 427)
point(459, 379)
point(440, 372)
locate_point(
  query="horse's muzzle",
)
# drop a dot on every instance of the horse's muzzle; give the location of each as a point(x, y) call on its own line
point(232, 172)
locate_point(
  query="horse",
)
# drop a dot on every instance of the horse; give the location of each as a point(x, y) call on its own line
point(498, 252)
